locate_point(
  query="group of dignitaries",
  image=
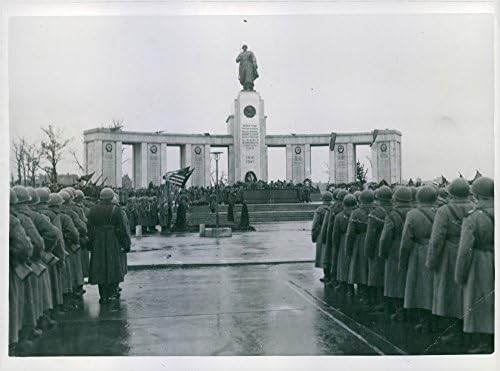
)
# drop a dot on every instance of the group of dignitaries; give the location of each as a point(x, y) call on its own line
point(421, 254)
point(55, 241)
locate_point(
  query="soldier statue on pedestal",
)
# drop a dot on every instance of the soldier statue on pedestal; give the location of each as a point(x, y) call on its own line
point(248, 68)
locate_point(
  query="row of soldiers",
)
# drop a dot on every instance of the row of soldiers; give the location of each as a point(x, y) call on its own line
point(424, 253)
point(50, 237)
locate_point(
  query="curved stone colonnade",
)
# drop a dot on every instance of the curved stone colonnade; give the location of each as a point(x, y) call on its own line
point(247, 145)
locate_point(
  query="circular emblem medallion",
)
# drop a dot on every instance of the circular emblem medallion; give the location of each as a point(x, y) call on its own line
point(383, 147)
point(197, 150)
point(341, 149)
point(153, 149)
point(298, 150)
point(109, 147)
point(249, 111)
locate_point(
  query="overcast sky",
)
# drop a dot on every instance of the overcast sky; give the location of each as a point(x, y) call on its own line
point(428, 76)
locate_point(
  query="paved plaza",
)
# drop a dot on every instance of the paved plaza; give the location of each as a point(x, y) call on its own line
point(264, 298)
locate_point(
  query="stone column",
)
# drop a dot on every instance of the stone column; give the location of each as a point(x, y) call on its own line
point(351, 163)
point(85, 159)
point(331, 167)
point(206, 166)
point(289, 162)
point(154, 163)
point(186, 160)
point(231, 164)
point(140, 165)
point(163, 160)
point(118, 164)
point(386, 158)
point(307, 160)
point(248, 126)
point(98, 154)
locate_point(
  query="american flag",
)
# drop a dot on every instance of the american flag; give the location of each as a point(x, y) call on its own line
point(179, 177)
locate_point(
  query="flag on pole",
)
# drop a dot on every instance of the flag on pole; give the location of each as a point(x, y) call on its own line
point(86, 178)
point(179, 177)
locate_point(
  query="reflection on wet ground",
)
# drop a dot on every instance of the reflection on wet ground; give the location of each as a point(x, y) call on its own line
point(241, 310)
point(272, 242)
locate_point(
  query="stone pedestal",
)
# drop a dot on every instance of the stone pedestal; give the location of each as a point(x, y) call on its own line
point(247, 125)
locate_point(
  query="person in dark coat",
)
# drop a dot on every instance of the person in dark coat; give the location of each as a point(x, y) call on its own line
point(71, 239)
point(20, 251)
point(75, 258)
point(355, 243)
point(330, 254)
point(125, 248)
point(376, 264)
point(245, 217)
point(213, 201)
point(390, 243)
point(413, 255)
point(107, 236)
point(447, 301)
point(319, 227)
point(475, 268)
point(339, 234)
point(230, 209)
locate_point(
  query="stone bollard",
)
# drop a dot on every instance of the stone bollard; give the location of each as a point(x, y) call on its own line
point(202, 230)
point(138, 231)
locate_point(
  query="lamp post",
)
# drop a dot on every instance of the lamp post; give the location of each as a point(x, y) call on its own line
point(217, 156)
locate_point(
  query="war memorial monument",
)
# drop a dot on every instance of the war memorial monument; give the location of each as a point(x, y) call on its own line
point(247, 146)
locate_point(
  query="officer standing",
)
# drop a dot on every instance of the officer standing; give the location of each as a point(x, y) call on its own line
point(107, 234)
point(475, 269)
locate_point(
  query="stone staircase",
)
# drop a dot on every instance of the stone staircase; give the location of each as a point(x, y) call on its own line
point(259, 213)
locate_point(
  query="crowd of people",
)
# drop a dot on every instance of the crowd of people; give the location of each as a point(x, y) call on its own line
point(56, 241)
point(423, 254)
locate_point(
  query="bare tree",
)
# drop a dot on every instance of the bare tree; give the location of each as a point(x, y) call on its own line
point(52, 149)
point(19, 148)
point(116, 125)
point(33, 159)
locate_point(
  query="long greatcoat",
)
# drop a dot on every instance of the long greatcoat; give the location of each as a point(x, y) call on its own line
point(318, 232)
point(20, 249)
point(71, 243)
point(376, 264)
point(355, 241)
point(475, 268)
point(108, 235)
point(442, 257)
point(413, 255)
point(390, 243)
point(338, 242)
point(329, 258)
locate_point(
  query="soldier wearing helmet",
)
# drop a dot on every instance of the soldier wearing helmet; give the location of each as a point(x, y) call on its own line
point(390, 241)
point(108, 234)
point(442, 257)
point(475, 268)
point(319, 227)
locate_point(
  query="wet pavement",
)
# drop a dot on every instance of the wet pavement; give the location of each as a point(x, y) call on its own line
point(245, 310)
point(270, 243)
point(233, 306)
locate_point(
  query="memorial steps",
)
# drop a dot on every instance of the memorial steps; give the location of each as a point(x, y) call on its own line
point(259, 213)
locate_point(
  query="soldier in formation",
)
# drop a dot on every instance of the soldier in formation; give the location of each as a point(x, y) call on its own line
point(422, 254)
point(46, 267)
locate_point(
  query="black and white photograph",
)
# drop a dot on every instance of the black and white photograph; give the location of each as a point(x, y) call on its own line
point(219, 182)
